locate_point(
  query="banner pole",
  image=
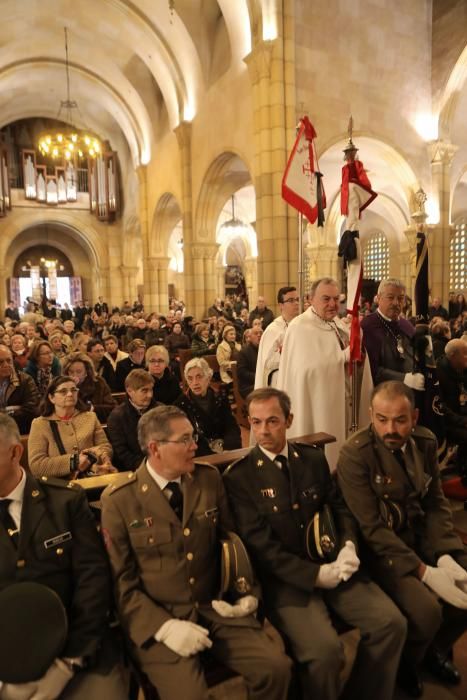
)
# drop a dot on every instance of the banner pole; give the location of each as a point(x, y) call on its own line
point(300, 260)
point(355, 397)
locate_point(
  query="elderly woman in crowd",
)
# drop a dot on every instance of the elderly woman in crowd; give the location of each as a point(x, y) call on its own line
point(174, 342)
point(56, 343)
point(166, 386)
point(80, 342)
point(93, 390)
point(67, 439)
point(202, 343)
point(209, 412)
point(42, 365)
point(227, 352)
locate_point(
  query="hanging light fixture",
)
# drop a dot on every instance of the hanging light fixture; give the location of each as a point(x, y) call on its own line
point(233, 227)
point(68, 143)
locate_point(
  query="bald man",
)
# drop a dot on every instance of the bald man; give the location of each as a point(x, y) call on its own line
point(452, 375)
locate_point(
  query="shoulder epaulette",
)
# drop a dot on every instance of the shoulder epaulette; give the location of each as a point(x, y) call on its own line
point(294, 443)
point(121, 480)
point(422, 432)
point(235, 463)
point(360, 439)
point(57, 483)
point(200, 463)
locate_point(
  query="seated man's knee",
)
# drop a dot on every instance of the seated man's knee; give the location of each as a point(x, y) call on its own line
point(426, 617)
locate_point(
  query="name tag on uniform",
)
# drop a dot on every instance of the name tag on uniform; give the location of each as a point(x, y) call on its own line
point(268, 493)
point(63, 537)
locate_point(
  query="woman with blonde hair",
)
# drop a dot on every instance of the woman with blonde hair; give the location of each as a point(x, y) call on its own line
point(226, 352)
point(67, 440)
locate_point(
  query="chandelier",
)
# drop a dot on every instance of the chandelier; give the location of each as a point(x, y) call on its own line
point(234, 226)
point(68, 143)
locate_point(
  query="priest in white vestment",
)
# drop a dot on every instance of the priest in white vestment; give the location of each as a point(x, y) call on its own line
point(313, 369)
point(270, 347)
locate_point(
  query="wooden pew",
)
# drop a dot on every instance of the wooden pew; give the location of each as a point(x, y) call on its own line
point(239, 408)
point(223, 459)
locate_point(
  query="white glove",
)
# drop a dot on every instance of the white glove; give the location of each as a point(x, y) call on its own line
point(183, 637)
point(348, 561)
point(447, 562)
point(443, 582)
point(328, 576)
point(243, 607)
point(415, 381)
point(50, 686)
point(17, 691)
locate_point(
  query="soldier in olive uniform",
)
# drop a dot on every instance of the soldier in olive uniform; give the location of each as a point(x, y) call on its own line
point(48, 535)
point(274, 493)
point(162, 526)
point(389, 476)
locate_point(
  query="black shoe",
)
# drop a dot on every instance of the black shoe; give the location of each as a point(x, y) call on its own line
point(442, 668)
point(408, 678)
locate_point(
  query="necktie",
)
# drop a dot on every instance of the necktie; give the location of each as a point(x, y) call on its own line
point(176, 498)
point(284, 465)
point(7, 521)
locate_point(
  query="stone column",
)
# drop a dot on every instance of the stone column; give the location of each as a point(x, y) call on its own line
point(271, 68)
point(251, 280)
point(156, 297)
point(441, 153)
point(220, 281)
point(202, 261)
point(125, 272)
point(183, 132)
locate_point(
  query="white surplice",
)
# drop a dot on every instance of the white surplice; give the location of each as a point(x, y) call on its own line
point(269, 353)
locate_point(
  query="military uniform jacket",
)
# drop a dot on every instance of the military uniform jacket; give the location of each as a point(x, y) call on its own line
point(165, 568)
point(271, 515)
point(370, 476)
point(59, 547)
point(380, 343)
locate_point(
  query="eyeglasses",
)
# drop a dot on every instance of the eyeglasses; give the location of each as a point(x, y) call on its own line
point(6, 361)
point(186, 440)
point(292, 300)
point(45, 353)
point(64, 392)
point(157, 362)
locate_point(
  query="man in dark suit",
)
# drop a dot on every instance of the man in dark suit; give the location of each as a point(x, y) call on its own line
point(246, 362)
point(276, 492)
point(388, 338)
point(162, 527)
point(452, 375)
point(122, 423)
point(389, 476)
point(48, 535)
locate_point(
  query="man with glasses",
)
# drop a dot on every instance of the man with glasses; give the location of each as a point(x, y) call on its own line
point(388, 338)
point(270, 347)
point(162, 527)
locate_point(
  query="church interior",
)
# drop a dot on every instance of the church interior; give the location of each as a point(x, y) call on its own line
point(194, 104)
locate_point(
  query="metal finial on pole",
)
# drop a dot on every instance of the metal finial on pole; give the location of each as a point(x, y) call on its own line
point(350, 128)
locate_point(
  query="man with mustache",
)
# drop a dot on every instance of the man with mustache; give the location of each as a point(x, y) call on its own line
point(388, 338)
point(389, 476)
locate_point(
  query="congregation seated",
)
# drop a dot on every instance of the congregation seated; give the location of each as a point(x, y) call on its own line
point(154, 335)
point(93, 390)
point(202, 343)
point(59, 348)
point(166, 385)
point(80, 342)
point(441, 334)
point(122, 424)
point(208, 411)
point(67, 438)
point(19, 396)
point(227, 352)
point(135, 360)
point(42, 365)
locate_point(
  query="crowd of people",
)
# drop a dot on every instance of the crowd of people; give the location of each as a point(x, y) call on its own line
point(362, 533)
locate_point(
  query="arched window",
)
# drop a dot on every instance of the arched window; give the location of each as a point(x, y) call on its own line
point(457, 258)
point(376, 258)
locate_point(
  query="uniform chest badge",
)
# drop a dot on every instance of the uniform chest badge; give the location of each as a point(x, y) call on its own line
point(268, 493)
point(259, 463)
point(148, 521)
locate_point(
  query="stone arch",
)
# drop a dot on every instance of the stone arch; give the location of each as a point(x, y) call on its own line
point(226, 174)
point(450, 97)
point(166, 216)
point(81, 243)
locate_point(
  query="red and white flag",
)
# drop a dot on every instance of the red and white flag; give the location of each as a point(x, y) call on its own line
point(302, 185)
